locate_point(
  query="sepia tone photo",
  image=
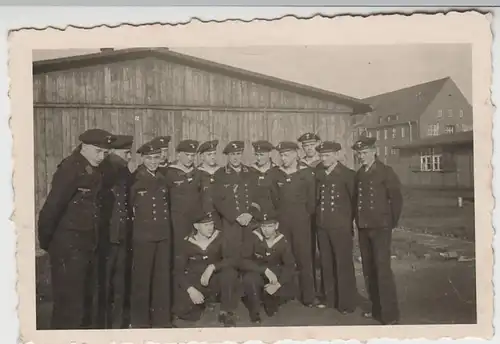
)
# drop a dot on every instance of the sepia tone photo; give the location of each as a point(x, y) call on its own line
point(330, 185)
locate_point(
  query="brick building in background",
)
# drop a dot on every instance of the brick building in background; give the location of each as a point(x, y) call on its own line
point(412, 114)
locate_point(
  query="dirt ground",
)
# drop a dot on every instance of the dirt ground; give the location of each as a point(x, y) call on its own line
point(447, 296)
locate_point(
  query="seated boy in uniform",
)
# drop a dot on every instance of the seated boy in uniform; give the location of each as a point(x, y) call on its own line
point(203, 272)
point(268, 268)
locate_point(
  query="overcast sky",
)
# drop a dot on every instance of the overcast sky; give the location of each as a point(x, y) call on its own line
point(358, 71)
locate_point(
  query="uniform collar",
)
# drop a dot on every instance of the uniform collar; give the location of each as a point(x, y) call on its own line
point(229, 169)
point(182, 168)
point(208, 169)
point(260, 169)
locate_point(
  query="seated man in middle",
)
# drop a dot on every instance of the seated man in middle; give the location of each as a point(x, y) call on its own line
point(269, 267)
point(202, 272)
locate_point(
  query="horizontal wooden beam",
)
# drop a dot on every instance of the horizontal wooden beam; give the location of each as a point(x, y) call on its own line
point(168, 107)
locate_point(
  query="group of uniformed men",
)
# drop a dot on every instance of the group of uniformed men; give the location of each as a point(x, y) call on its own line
point(167, 240)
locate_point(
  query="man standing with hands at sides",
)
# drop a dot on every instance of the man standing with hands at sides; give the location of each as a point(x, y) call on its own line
point(234, 193)
point(67, 229)
point(378, 208)
point(294, 196)
point(207, 169)
point(184, 185)
point(334, 218)
point(152, 243)
point(309, 142)
point(118, 173)
point(262, 166)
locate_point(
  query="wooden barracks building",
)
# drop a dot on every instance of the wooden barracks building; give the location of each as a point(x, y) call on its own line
point(150, 92)
point(425, 133)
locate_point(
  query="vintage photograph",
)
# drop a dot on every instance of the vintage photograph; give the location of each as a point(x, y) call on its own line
point(260, 186)
point(176, 190)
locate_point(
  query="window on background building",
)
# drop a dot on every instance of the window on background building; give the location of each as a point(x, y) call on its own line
point(369, 133)
point(378, 134)
point(440, 113)
point(402, 132)
point(433, 129)
point(394, 133)
point(380, 119)
point(394, 151)
point(430, 161)
point(378, 151)
point(450, 112)
point(386, 150)
point(449, 129)
point(461, 113)
point(385, 134)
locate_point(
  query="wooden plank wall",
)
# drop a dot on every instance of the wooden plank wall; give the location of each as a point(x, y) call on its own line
point(150, 81)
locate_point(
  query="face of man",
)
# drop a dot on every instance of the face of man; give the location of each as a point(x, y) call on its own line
point(288, 157)
point(269, 229)
point(206, 229)
point(262, 158)
point(152, 161)
point(235, 159)
point(186, 159)
point(210, 158)
point(164, 154)
point(367, 156)
point(95, 155)
point(125, 154)
point(329, 158)
point(310, 148)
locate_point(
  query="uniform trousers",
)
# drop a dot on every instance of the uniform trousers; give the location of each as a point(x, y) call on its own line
point(151, 284)
point(223, 283)
point(295, 224)
point(253, 286)
point(116, 268)
point(375, 247)
point(73, 258)
point(318, 282)
point(335, 247)
point(233, 235)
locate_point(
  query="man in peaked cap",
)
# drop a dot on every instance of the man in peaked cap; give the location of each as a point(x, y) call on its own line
point(294, 196)
point(234, 192)
point(263, 166)
point(116, 230)
point(152, 243)
point(68, 226)
point(378, 208)
point(309, 142)
point(184, 184)
point(163, 143)
point(334, 220)
point(207, 169)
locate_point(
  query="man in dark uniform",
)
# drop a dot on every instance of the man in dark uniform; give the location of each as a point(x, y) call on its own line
point(293, 188)
point(334, 218)
point(378, 208)
point(234, 193)
point(152, 244)
point(208, 156)
point(263, 166)
point(68, 229)
point(119, 234)
point(309, 142)
point(162, 142)
point(184, 185)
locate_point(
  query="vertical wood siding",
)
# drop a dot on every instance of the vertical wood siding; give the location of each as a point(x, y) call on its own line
point(156, 82)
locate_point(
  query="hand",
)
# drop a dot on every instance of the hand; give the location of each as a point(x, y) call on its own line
point(272, 288)
point(205, 277)
point(246, 219)
point(271, 276)
point(240, 219)
point(196, 297)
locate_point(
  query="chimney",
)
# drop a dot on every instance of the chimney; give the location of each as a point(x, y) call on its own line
point(103, 50)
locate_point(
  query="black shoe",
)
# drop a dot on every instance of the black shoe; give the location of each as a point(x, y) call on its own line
point(227, 319)
point(367, 315)
point(271, 308)
point(346, 311)
point(390, 323)
point(255, 318)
